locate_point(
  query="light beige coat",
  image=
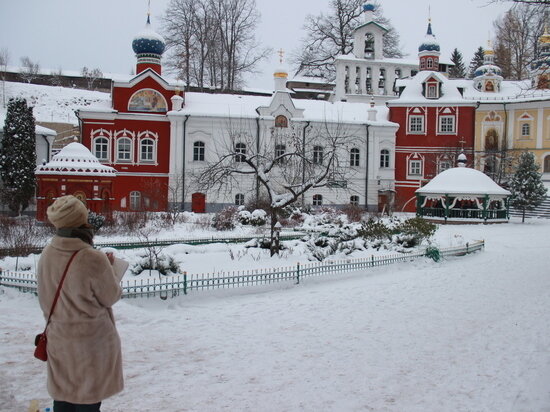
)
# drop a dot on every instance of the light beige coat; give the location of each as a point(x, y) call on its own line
point(84, 353)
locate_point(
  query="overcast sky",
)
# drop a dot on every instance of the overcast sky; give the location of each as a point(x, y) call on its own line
point(70, 34)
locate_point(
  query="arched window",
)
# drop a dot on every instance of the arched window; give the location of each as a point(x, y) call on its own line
point(354, 200)
point(280, 150)
point(198, 151)
point(124, 149)
point(281, 121)
point(422, 64)
point(318, 155)
point(525, 130)
point(101, 149)
point(135, 200)
point(239, 199)
point(369, 46)
point(317, 200)
point(546, 167)
point(384, 158)
point(354, 157)
point(240, 152)
point(147, 150)
point(429, 63)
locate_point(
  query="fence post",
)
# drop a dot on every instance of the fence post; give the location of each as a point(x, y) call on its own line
point(298, 273)
point(185, 283)
point(467, 244)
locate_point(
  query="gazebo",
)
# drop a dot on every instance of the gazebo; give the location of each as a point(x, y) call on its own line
point(75, 171)
point(463, 195)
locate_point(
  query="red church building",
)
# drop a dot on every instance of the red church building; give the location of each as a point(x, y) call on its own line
point(436, 124)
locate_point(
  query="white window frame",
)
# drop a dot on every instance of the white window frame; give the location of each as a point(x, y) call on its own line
point(135, 196)
point(384, 158)
point(354, 200)
point(318, 154)
point(413, 166)
point(101, 159)
point(525, 127)
point(317, 200)
point(354, 157)
point(429, 63)
point(119, 152)
point(421, 124)
point(153, 150)
point(444, 127)
point(444, 165)
point(239, 199)
point(280, 150)
point(240, 150)
point(199, 151)
point(431, 91)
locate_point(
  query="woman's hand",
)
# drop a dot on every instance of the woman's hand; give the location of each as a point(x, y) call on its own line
point(111, 257)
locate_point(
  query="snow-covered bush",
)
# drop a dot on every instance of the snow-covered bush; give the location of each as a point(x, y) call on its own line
point(96, 220)
point(413, 231)
point(22, 234)
point(225, 219)
point(163, 264)
point(354, 213)
point(258, 217)
point(244, 217)
point(374, 230)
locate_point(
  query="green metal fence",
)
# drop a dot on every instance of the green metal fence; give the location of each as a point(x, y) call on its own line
point(171, 286)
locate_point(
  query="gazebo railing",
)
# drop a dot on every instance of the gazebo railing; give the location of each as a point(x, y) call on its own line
point(438, 212)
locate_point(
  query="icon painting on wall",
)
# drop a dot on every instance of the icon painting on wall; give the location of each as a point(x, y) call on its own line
point(147, 100)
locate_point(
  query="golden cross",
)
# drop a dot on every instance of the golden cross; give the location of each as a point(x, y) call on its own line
point(462, 141)
point(281, 54)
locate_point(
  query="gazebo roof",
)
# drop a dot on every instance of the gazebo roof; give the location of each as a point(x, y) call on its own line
point(75, 159)
point(462, 181)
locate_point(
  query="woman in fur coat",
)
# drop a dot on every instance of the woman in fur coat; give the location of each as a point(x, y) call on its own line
point(84, 352)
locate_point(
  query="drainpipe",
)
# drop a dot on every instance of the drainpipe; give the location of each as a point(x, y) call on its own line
point(367, 172)
point(257, 158)
point(303, 161)
point(187, 116)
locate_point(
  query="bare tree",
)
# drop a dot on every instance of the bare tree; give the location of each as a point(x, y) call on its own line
point(56, 77)
point(91, 76)
point(529, 2)
point(4, 58)
point(285, 166)
point(329, 35)
point(517, 35)
point(29, 69)
point(213, 42)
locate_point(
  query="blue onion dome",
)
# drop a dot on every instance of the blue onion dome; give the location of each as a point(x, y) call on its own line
point(368, 7)
point(148, 41)
point(430, 43)
point(488, 70)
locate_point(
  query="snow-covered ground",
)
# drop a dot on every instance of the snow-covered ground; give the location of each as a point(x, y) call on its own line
point(470, 333)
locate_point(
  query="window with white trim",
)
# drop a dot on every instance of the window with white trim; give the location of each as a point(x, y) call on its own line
point(147, 150)
point(239, 199)
point(280, 150)
point(422, 64)
point(240, 150)
point(101, 148)
point(124, 149)
point(431, 91)
point(416, 124)
point(446, 124)
point(198, 151)
point(415, 167)
point(354, 200)
point(384, 158)
point(430, 63)
point(318, 155)
point(317, 200)
point(444, 165)
point(354, 157)
point(525, 130)
point(135, 200)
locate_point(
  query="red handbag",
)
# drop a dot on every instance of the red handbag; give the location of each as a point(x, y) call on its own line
point(41, 341)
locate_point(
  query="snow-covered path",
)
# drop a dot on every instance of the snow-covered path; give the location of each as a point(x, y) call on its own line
point(467, 334)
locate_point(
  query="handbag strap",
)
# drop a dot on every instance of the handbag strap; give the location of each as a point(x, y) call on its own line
point(58, 292)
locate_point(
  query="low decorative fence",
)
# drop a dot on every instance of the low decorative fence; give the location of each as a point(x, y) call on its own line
point(203, 240)
point(171, 286)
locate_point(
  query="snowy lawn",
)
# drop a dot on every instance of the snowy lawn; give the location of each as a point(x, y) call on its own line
point(467, 334)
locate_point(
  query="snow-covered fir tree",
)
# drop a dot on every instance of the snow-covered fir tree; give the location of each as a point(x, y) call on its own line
point(477, 61)
point(458, 71)
point(526, 185)
point(18, 156)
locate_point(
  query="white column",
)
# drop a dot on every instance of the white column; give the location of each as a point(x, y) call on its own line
point(511, 128)
point(352, 79)
point(375, 79)
point(540, 123)
point(363, 79)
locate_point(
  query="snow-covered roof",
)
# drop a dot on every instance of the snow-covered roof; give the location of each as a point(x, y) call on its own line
point(462, 181)
point(390, 60)
point(75, 159)
point(244, 106)
point(412, 94)
point(45, 131)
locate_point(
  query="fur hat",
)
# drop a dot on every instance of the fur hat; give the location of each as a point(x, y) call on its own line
point(67, 211)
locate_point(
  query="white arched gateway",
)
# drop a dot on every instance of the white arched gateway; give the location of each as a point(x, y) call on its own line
point(463, 195)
